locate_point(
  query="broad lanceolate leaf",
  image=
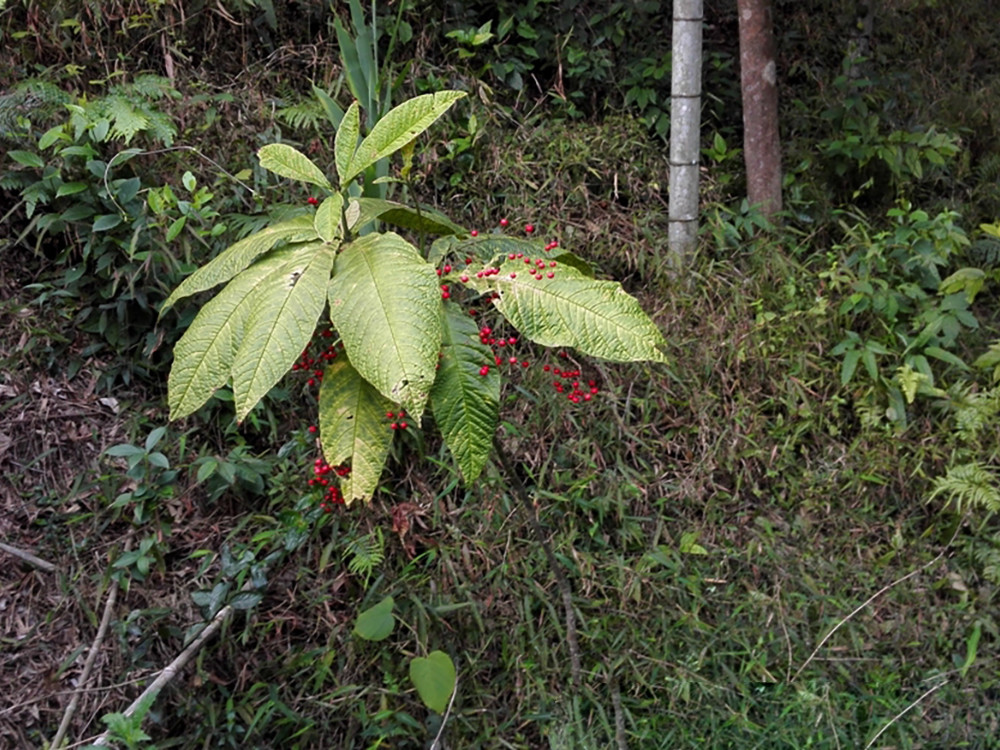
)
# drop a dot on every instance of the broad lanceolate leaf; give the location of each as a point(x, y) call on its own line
point(385, 302)
point(425, 220)
point(239, 256)
point(353, 428)
point(376, 623)
point(398, 127)
point(328, 219)
point(346, 141)
point(465, 403)
point(286, 306)
point(597, 318)
point(434, 677)
point(204, 355)
point(287, 161)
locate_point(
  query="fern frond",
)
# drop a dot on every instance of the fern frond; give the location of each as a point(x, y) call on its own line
point(985, 554)
point(127, 120)
point(302, 115)
point(975, 411)
point(367, 553)
point(968, 486)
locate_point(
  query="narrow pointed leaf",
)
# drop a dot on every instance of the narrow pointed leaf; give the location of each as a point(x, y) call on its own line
point(465, 403)
point(353, 428)
point(434, 677)
point(346, 141)
point(204, 355)
point(239, 256)
point(386, 303)
point(398, 127)
point(331, 109)
point(597, 318)
point(328, 219)
point(286, 161)
point(286, 306)
point(425, 220)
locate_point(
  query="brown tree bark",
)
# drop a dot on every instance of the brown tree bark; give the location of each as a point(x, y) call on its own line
point(758, 81)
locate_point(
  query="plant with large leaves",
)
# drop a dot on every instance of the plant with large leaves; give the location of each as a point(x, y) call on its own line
point(404, 345)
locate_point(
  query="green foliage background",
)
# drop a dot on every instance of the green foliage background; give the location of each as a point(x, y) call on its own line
point(826, 425)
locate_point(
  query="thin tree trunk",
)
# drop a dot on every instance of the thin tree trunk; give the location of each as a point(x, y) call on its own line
point(685, 130)
point(758, 80)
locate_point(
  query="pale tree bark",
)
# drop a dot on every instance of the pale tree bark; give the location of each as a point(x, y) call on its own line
point(685, 130)
point(759, 84)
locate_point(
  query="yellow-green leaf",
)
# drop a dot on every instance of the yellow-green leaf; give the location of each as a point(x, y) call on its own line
point(385, 302)
point(346, 141)
point(286, 161)
point(286, 306)
point(353, 428)
point(328, 219)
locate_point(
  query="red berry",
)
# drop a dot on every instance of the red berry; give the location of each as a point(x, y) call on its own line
point(474, 233)
point(529, 228)
point(312, 201)
point(504, 222)
point(312, 429)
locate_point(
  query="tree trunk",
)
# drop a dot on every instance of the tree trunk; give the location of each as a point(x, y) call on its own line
point(685, 130)
point(758, 80)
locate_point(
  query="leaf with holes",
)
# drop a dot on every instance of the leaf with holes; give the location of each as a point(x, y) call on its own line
point(203, 357)
point(239, 256)
point(353, 429)
point(286, 161)
point(281, 322)
point(398, 127)
point(466, 403)
point(434, 677)
point(385, 302)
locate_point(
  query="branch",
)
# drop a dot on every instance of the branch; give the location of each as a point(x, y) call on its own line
point(88, 665)
point(170, 671)
point(28, 558)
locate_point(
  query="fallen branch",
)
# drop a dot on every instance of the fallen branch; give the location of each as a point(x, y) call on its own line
point(88, 666)
point(28, 558)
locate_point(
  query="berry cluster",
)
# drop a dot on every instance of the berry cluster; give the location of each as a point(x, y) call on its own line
point(325, 352)
point(396, 420)
point(321, 478)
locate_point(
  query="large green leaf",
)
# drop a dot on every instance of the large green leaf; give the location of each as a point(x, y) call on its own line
point(203, 357)
point(346, 141)
point(598, 318)
point(286, 161)
point(386, 304)
point(425, 220)
point(434, 677)
point(398, 127)
point(239, 256)
point(283, 315)
point(353, 428)
point(466, 403)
